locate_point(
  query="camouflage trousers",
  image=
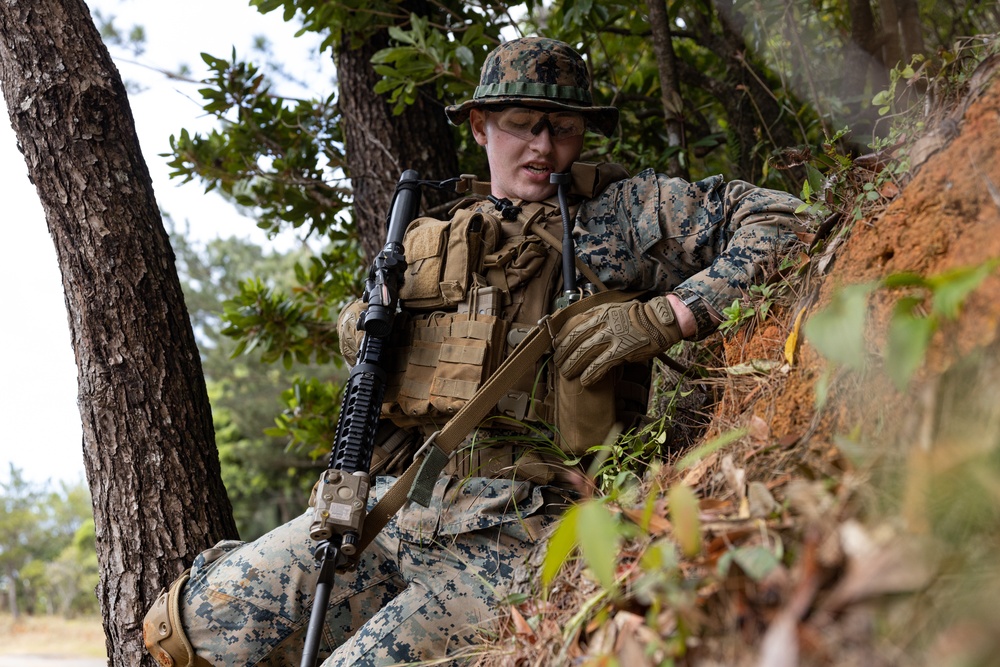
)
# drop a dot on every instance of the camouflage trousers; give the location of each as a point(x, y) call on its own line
point(425, 590)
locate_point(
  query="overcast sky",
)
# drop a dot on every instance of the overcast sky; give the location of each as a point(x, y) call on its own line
point(41, 423)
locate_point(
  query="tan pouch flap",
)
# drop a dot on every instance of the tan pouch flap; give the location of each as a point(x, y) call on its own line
point(424, 245)
point(443, 255)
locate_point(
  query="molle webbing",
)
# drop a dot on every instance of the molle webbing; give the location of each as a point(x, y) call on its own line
point(418, 480)
point(483, 283)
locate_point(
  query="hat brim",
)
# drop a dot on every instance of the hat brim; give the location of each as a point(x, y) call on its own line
point(599, 119)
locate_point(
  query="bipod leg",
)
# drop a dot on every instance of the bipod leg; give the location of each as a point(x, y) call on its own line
point(326, 554)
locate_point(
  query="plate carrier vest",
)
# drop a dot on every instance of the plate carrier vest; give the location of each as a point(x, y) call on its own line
point(474, 286)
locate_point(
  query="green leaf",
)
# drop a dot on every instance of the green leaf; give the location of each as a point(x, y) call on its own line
point(838, 331)
point(685, 520)
point(713, 445)
point(905, 279)
point(384, 86)
point(909, 336)
point(815, 178)
point(822, 388)
point(560, 545)
point(756, 561)
point(465, 56)
point(952, 287)
point(806, 193)
point(398, 34)
point(597, 533)
point(660, 556)
point(650, 506)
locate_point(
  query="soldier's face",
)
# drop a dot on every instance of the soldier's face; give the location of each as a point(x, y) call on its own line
point(521, 161)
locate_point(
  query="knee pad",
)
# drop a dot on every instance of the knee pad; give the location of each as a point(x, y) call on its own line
point(163, 633)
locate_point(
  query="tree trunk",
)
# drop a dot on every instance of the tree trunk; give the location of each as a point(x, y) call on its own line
point(379, 145)
point(148, 441)
point(752, 114)
point(15, 612)
point(863, 54)
point(909, 28)
point(892, 51)
point(670, 90)
point(863, 46)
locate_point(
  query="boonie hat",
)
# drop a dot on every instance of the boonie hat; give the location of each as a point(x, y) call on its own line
point(537, 72)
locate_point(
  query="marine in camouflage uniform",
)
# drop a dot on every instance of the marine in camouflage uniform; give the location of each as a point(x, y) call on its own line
point(705, 241)
point(432, 581)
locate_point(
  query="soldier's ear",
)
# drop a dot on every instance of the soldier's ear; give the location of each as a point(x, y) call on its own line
point(477, 121)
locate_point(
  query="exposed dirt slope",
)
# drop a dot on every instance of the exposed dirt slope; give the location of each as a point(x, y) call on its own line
point(910, 476)
point(947, 216)
point(858, 532)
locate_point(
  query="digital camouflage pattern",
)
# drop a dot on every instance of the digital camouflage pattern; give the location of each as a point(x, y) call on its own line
point(706, 241)
point(431, 581)
point(540, 72)
point(427, 587)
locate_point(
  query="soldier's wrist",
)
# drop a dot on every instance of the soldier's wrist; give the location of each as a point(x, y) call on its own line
point(706, 317)
point(684, 317)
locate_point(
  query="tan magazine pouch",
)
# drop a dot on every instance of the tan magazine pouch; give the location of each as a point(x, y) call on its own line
point(444, 357)
point(449, 356)
point(443, 256)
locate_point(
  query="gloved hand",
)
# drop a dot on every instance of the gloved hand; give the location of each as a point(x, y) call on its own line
point(592, 343)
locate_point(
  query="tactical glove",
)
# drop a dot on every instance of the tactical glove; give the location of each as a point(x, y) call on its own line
point(592, 343)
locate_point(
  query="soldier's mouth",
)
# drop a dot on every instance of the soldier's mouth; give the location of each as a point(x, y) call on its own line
point(538, 169)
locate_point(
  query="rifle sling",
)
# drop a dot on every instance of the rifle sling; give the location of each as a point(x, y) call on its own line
point(418, 481)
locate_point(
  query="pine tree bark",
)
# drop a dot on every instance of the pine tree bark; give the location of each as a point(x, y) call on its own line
point(148, 441)
point(380, 145)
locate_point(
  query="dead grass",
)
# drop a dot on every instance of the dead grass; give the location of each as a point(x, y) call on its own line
point(52, 635)
point(876, 513)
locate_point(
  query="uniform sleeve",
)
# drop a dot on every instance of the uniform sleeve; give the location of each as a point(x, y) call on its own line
point(706, 241)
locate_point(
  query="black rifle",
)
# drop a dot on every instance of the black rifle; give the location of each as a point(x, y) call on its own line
point(341, 498)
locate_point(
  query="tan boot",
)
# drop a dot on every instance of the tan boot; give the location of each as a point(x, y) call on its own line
point(163, 632)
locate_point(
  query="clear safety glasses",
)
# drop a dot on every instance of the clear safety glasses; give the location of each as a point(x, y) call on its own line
point(526, 123)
